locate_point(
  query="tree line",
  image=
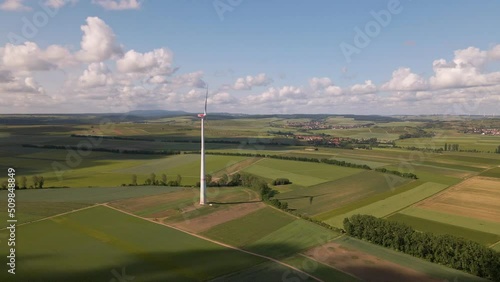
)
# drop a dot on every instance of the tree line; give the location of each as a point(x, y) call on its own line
point(313, 160)
point(108, 150)
point(398, 173)
point(22, 183)
point(448, 250)
point(153, 180)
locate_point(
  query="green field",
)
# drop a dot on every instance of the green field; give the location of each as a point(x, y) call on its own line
point(274, 233)
point(494, 172)
point(439, 228)
point(301, 173)
point(236, 232)
point(319, 270)
point(147, 251)
point(334, 194)
point(457, 220)
point(465, 141)
point(392, 204)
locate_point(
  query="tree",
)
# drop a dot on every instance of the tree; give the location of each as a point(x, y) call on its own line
point(179, 179)
point(208, 179)
point(148, 181)
point(153, 178)
point(134, 180)
point(41, 180)
point(223, 180)
point(163, 179)
point(24, 182)
point(35, 181)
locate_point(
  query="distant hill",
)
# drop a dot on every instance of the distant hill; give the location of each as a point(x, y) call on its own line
point(156, 113)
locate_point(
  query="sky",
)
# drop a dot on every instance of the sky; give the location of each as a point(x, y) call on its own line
point(387, 57)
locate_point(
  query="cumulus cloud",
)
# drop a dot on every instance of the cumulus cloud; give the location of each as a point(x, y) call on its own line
point(98, 42)
point(30, 57)
point(246, 83)
point(156, 62)
point(466, 69)
point(274, 94)
point(404, 80)
point(317, 83)
point(366, 88)
point(20, 85)
point(118, 4)
point(222, 98)
point(14, 5)
point(97, 74)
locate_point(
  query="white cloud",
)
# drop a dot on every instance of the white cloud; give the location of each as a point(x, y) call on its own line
point(156, 62)
point(14, 5)
point(98, 42)
point(26, 85)
point(466, 69)
point(97, 74)
point(274, 94)
point(317, 83)
point(222, 98)
point(118, 4)
point(30, 57)
point(246, 83)
point(404, 80)
point(366, 88)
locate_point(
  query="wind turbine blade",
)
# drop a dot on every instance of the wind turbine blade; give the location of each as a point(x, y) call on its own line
point(206, 99)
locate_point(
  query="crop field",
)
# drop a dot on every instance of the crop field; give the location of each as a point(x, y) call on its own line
point(485, 226)
point(142, 249)
point(300, 173)
point(435, 271)
point(274, 233)
point(476, 197)
point(435, 227)
point(465, 141)
point(334, 194)
point(36, 204)
point(392, 204)
point(494, 172)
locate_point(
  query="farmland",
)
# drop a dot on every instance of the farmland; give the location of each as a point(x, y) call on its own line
point(475, 197)
point(455, 193)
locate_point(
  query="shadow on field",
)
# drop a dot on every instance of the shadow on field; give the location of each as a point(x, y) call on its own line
point(200, 265)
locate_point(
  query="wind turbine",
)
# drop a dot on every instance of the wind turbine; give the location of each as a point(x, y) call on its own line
point(203, 184)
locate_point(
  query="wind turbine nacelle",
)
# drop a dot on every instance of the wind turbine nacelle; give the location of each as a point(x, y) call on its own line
point(201, 115)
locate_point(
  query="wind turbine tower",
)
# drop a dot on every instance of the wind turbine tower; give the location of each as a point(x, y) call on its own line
point(203, 184)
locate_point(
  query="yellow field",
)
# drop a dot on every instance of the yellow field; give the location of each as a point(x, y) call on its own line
point(476, 197)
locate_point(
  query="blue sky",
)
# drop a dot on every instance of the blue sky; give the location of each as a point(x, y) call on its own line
point(257, 56)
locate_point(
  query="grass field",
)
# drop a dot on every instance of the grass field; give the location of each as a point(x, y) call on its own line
point(465, 141)
point(440, 228)
point(317, 269)
point(392, 204)
point(301, 173)
point(334, 194)
point(147, 251)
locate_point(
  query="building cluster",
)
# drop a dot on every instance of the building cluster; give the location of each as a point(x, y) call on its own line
point(319, 124)
point(483, 131)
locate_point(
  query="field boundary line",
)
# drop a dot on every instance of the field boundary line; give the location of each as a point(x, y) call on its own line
point(60, 214)
point(217, 242)
point(494, 244)
point(311, 258)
